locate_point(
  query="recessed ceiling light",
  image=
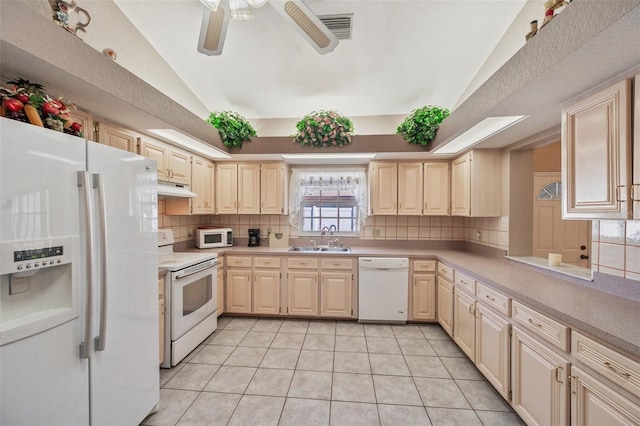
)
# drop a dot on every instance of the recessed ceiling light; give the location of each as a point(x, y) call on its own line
point(481, 131)
point(190, 143)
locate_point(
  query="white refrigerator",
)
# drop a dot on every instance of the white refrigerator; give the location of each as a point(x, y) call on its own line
point(78, 281)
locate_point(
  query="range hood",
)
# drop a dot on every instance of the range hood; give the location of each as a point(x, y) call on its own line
point(174, 190)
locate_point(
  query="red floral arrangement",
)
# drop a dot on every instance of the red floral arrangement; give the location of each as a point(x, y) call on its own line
point(28, 102)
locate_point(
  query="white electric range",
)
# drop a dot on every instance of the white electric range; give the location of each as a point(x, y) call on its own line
point(190, 298)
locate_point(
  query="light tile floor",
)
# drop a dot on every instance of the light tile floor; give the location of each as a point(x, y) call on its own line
point(298, 372)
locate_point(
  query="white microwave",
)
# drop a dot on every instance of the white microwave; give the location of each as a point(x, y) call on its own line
point(212, 237)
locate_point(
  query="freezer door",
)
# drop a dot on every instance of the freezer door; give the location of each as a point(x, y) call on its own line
point(42, 378)
point(124, 366)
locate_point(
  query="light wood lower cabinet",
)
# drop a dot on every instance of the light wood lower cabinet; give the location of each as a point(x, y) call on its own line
point(595, 404)
point(445, 305)
point(464, 322)
point(220, 287)
point(266, 292)
point(424, 297)
point(539, 380)
point(335, 294)
point(302, 293)
point(238, 291)
point(493, 350)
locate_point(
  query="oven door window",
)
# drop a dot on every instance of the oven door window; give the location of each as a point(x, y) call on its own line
point(196, 295)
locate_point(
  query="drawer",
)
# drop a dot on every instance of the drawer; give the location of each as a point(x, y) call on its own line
point(466, 283)
point(424, 266)
point(606, 361)
point(336, 263)
point(238, 261)
point(493, 299)
point(266, 262)
point(550, 330)
point(445, 271)
point(302, 263)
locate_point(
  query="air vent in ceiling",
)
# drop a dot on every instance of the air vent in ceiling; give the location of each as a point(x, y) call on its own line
point(339, 25)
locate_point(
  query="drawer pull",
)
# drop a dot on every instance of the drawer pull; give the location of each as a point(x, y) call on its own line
point(532, 322)
point(616, 371)
point(493, 299)
point(267, 263)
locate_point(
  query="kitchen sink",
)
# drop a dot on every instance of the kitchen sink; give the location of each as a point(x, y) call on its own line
point(321, 249)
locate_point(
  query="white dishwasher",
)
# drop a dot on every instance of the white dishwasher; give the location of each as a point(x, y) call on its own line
point(383, 289)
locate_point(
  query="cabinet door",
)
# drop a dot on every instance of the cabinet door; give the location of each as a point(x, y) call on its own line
point(238, 291)
point(383, 188)
point(335, 294)
point(303, 293)
point(594, 404)
point(226, 188)
point(410, 189)
point(179, 166)
point(464, 323)
point(202, 181)
point(436, 189)
point(220, 292)
point(266, 292)
point(248, 189)
point(272, 188)
point(424, 297)
point(596, 155)
point(117, 138)
point(86, 121)
point(636, 150)
point(445, 305)
point(539, 379)
point(158, 152)
point(493, 352)
point(461, 186)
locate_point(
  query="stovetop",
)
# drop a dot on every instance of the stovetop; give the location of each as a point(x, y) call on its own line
point(177, 260)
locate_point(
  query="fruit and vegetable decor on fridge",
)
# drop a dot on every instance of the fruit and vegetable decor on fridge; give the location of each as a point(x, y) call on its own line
point(78, 280)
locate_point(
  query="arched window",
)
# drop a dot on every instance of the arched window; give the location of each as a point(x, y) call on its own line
point(551, 191)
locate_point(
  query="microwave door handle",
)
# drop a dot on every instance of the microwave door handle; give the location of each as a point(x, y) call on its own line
point(101, 339)
point(84, 184)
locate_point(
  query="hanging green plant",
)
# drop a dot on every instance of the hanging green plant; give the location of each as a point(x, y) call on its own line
point(324, 129)
point(234, 129)
point(420, 127)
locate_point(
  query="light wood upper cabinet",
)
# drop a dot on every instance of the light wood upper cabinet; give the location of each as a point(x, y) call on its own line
point(86, 120)
point(238, 188)
point(174, 164)
point(383, 188)
point(274, 188)
point(410, 189)
point(202, 183)
point(437, 189)
point(117, 137)
point(596, 155)
point(476, 184)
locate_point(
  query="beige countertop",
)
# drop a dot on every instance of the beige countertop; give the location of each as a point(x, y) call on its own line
point(612, 319)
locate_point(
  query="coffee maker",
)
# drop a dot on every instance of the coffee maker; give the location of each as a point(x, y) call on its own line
point(254, 237)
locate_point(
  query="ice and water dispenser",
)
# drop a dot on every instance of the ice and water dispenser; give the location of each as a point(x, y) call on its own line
point(39, 286)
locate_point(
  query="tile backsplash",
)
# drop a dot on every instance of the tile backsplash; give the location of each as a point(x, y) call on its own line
point(615, 248)
point(492, 232)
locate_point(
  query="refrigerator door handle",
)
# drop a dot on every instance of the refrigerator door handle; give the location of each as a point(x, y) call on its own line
point(101, 339)
point(85, 185)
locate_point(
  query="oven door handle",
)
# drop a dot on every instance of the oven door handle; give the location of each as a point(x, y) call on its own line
point(190, 271)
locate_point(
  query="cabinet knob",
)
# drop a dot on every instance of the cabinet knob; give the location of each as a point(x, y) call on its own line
point(583, 247)
point(584, 256)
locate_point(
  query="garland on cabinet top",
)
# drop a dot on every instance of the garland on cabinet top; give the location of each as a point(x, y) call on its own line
point(234, 129)
point(321, 129)
point(27, 102)
point(420, 127)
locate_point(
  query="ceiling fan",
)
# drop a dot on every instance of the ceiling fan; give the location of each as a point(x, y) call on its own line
point(217, 13)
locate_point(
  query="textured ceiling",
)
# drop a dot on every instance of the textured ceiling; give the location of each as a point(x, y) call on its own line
point(403, 54)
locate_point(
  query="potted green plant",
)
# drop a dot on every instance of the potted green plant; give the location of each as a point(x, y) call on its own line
point(324, 128)
point(234, 129)
point(420, 127)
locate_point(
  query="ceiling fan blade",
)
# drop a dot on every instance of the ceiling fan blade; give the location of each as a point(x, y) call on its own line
point(213, 30)
point(307, 24)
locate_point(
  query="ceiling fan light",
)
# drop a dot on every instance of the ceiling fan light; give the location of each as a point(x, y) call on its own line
point(240, 10)
point(211, 4)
